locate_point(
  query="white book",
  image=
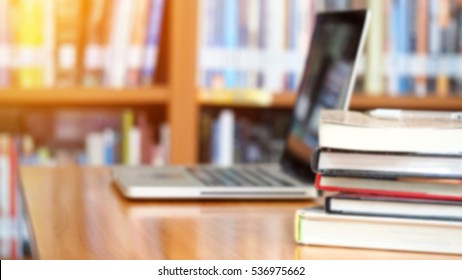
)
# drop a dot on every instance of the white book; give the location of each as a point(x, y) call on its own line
point(134, 146)
point(117, 59)
point(363, 132)
point(374, 74)
point(165, 142)
point(253, 27)
point(49, 42)
point(94, 146)
point(274, 33)
point(316, 227)
point(226, 138)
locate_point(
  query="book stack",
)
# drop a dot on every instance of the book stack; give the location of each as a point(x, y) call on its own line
point(398, 183)
point(65, 43)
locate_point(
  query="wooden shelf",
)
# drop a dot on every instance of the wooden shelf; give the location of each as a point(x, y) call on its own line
point(84, 96)
point(362, 102)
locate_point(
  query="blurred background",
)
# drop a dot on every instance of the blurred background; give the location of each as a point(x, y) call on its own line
point(102, 82)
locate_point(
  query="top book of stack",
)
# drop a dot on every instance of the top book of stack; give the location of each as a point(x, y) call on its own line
point(361, 132)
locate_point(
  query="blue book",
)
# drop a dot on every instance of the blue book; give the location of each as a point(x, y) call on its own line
point(403, 47)
point(152, 41)
point(230, 37)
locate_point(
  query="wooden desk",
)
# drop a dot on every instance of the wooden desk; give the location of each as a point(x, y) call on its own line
point(75, 213)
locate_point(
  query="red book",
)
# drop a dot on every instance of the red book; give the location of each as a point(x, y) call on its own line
point(13, 178)
point(410, 187)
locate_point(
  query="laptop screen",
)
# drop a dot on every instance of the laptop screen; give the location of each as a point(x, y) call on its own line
point(326, 83)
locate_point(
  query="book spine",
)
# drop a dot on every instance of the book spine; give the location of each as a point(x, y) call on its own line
point(225, 138)
point(403, 45)
point(374, 54)
point(4, 198)
point(422, 31)
point(253, 26)
point(109, 139)
point(13, 161)
point(274, 29)
point(241, 63)
point(434, 44)
point(138, 39)
point(445, 80)
point(442, 79)
point(393, 57)
point(69, 15)
point(459, 47)
point(5, 42)
point(116, 62)
point(93, 60)
point(4, 176)
point(165, 142)
point(134, 157)
point(151, 51)
point(230, 38)
point(146, 138)
point(95, 148)
point(49, 42)
point(29, 41)
point(127, 125)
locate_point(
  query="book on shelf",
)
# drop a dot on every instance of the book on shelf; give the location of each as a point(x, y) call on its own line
point(68, 43)
point(137, 42)
point(28, 38)
point(69, 28)
point(97, 28)
point(5, 42)
point(151, 50)
point(316, 227)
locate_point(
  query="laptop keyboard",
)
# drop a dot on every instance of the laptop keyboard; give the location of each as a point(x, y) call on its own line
point(257, 177)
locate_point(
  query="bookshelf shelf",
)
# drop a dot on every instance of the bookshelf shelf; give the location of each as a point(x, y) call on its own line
point(359, 101)
point(84, 96)
point(406, 102)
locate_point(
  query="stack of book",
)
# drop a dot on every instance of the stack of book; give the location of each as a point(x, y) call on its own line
point(398, 183)
point(65, 43)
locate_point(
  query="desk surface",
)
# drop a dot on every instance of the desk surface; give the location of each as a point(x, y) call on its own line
point(76, 213)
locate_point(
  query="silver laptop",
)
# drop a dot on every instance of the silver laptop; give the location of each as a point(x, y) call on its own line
point(327, 82)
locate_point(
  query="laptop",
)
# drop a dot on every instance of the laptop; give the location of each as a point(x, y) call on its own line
point(326, 83)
